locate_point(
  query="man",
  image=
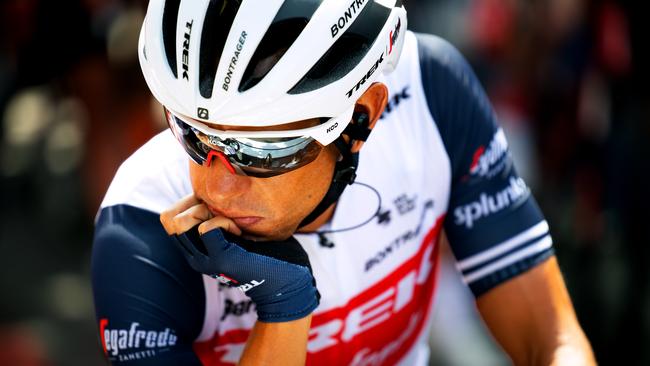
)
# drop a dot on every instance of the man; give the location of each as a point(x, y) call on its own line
point(253, 251)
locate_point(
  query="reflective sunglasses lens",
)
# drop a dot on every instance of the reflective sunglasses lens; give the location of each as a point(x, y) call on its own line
point(255, 157)
point(186, 137)
point(272, 162)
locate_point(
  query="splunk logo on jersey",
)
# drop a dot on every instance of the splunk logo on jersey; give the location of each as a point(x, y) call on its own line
point(487, 161)
point(486, 205)
point(134, 343)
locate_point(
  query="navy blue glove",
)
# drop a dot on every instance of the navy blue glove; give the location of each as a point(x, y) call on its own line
point(276, 276)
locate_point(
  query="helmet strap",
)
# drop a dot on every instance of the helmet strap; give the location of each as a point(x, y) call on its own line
point(345, 172)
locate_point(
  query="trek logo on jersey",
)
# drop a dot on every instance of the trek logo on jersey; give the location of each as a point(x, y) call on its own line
point(394, 34)
point(134, 343)
point(487, 161)
point(395, 101)
point(186, 50)
point(488, 205)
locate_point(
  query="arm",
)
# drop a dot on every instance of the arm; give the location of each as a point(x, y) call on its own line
point(532, 317)
point(284, 290)
point(495, 229)
point(277, 343)
point(149, 303)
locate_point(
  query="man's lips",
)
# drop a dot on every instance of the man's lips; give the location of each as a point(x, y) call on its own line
point(239, 219)
point(246, 221)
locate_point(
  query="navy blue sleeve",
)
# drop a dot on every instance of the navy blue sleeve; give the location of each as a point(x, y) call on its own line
point(149, 303)
point(494, 226)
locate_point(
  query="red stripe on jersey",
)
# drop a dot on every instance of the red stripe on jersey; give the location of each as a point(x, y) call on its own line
point(377, 327)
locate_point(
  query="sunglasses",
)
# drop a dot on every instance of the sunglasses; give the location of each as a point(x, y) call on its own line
point(259, 154)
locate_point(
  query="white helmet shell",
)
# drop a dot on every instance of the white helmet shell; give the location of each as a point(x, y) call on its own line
point(262, 63)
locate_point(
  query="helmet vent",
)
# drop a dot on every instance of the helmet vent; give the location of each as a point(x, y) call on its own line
point(216, 27)
point(290, 20)
point(169, 22)
point(346, 53)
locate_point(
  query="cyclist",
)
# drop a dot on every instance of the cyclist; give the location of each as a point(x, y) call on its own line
point(305, 225)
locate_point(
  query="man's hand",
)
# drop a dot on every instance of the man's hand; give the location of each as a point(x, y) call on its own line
point(275, 275)
point(189, 212)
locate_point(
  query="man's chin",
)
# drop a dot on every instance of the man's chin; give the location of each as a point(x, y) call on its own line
point(270, 235)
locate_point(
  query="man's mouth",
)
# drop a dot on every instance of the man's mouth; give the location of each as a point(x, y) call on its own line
point(246, 221)
point(241, 220)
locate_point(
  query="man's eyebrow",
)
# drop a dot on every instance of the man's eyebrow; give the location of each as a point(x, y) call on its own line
point(287, 126)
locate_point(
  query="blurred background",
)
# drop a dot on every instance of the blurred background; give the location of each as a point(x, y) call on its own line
point(566, 77)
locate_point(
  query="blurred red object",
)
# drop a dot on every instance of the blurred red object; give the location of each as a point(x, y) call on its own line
point(20, 346)
point(18, 19)
point(492, 23)
point(613, 47)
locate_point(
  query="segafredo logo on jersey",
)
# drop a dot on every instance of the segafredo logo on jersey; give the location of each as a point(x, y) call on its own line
point(489, 160)
point(134, 343)
point(486, 205)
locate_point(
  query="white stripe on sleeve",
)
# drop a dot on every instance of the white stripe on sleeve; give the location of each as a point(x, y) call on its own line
point(534, 248)
point(539, 229)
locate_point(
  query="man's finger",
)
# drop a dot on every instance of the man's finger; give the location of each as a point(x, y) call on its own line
point(167, 216)
point(190, 218)
point(219, 222)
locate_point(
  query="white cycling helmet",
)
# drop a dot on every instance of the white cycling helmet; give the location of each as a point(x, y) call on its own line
point(268, 62)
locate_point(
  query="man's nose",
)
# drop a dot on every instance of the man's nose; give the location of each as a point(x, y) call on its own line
point(222, 183)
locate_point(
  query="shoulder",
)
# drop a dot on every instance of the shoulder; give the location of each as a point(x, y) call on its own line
point(432, 48)
point(447, 94)
point(137, 271)
point(153, 178)
point(450, 85)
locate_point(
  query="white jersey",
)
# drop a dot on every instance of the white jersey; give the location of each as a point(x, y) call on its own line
point(436, 160)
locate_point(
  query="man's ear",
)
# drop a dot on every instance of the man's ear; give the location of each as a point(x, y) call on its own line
point(372, 104)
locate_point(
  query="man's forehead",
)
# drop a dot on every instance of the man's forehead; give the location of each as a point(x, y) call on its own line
point(298, 125)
